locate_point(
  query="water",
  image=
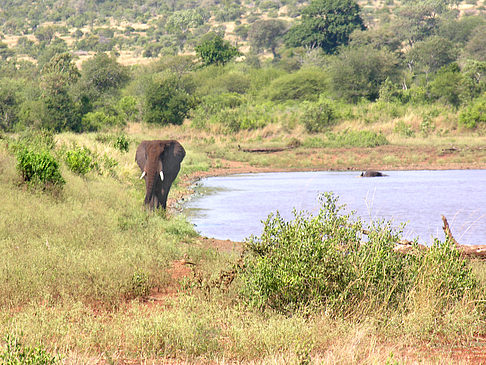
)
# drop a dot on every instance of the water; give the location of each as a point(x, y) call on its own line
point(232, 207)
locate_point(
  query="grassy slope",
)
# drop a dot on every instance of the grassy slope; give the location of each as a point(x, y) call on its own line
point(71, 264)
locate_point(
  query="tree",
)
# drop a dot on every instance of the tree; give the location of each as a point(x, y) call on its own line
point(326, 24)
point(215, 50)
point(166, 102)
point(57, 76)
point(101, 74)
point(431, 54)
point(359, 72)
point(476, 46)
point(266, 34)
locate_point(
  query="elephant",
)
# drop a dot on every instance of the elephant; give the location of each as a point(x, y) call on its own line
point(372, 173)
point(160, 162)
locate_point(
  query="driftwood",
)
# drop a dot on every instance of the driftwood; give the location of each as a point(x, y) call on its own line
point(471, 251)
point(290, 146)
point(478, 251)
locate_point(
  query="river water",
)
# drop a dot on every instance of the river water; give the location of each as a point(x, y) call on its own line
point(232, 207)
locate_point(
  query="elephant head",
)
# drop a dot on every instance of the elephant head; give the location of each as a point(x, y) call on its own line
point(160, 162)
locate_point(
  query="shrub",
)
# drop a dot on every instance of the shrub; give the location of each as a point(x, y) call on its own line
point(15, 354)
point(38, 166)
point(319, 116)
point(474, 114)
point(79, 160)
point(122, 143)
point(97, 120)
point(323, 261)
point(302, 85)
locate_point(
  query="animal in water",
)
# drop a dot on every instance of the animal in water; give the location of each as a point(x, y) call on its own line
point(372, 173)
point(160, 162)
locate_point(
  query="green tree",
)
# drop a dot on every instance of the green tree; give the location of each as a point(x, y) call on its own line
point(266, 34)
point(476, 46)
point(57, 76)
point(431, 54)
point(100, 75)
point(9, 103)
point(447, 85)
point(215, 50)
point(166, 102)
point(326, 24)
point(359, 72)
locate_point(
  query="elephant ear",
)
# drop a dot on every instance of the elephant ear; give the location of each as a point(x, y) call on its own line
point(141, 155)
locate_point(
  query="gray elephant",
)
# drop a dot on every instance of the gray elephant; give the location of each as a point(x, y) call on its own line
point(372, 173)
point(160, 162)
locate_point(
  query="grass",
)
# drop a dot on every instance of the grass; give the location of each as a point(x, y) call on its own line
point(78, 266)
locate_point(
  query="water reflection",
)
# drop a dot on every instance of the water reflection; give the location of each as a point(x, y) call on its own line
point(232, 207)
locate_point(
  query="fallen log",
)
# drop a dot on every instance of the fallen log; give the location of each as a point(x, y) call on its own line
point(471, 251)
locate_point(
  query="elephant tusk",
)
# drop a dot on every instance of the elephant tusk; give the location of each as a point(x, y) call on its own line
point(143, 174)
point(161, 176)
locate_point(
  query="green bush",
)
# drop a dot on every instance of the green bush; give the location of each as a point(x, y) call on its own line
point(122, 143)
point(474, 114)
point(97, 120)
point(305, 84)
point(317, 117)
point(324, 261)
point(80, 160)
point(15, 353)
point(38, 166)
point(356, 139)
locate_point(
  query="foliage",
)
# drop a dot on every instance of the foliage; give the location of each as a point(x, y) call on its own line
point(326, 24)
point(322, 262)
point(431, 54)
point(38, 166)
point(474, 115)
point(447, 85)
point(80, 160)
point(319, 116)
point(122, 143)
point(359, 72)
point(306, 84)
point(215, 50)
point(266, 34)
point(16, 353)
point(166, 102)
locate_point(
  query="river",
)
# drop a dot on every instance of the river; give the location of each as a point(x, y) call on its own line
point(232, 207)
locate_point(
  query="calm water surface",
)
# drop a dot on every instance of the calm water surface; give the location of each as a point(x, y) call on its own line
point(232, 207)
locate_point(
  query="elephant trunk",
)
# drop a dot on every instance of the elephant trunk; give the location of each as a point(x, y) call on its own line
point(153, 172)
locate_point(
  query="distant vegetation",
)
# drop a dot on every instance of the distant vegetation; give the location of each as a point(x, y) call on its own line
point(240, 66)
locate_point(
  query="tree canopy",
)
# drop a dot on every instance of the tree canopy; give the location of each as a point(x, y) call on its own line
point(326, 24)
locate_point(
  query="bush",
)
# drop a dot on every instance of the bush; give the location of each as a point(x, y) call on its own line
point(474, 114)
point(38, 166)
point(302, 85)
point(323, 261)
point(80, 160)
point(122, 143)
point(15, 354)
point(319, 116)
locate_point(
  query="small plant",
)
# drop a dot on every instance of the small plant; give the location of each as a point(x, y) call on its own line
point(38, 167)
point(139, 285)
point(404, 129)
point(79, 160)
point(17, 354)
point(122, 143)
